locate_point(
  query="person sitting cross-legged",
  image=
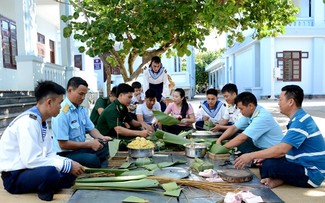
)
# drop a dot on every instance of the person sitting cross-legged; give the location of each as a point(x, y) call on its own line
point(182, 110)
point(211, 110)
point(112, 121)
point(28, 162)
point(144, 111)
point(259, 129)
point(101, 104)
point(71, 126)
point(232, 113)
point(299, 159)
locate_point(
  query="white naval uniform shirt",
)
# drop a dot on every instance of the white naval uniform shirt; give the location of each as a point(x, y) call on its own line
point(156, 78)
point(214, 114)
point(22, 146)
point(232, 113)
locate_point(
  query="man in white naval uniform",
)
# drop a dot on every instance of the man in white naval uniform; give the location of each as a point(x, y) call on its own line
point(28, 163)
point(232, 113)
point(156, 78)
point(211, 109)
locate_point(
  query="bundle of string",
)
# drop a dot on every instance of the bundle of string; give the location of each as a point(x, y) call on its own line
point(221, 188)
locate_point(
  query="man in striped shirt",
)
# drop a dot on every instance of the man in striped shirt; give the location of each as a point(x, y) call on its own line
point(300, 157)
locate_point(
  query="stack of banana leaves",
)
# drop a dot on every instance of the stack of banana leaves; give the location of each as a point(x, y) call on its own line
point(137, 177)
point(130, 176)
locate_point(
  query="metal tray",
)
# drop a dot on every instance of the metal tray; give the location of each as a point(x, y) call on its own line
point(172, 172)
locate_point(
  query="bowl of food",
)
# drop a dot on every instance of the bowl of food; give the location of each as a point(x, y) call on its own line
point(194, 150)
point(141, 148)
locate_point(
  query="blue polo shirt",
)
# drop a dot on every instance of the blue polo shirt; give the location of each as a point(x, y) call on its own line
point(72, 123)
point(261, 127)
point(308, 147)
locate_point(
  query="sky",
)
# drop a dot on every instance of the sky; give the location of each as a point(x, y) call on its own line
point(213, 43)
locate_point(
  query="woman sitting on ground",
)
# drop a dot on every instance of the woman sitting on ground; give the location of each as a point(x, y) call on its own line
point(181, 110)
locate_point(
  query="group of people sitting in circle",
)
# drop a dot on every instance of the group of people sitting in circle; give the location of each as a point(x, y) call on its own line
point(28, 152)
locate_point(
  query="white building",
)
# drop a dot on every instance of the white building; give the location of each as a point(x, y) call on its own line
point(265, 66)
point(33, 49)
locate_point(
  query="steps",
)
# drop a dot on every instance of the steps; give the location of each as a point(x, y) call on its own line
point(13, 103)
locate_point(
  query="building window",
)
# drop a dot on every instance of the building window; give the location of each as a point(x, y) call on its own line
point(41, 45)
point(289, 63)
point(78, 61)
point(52, 51)
point(177, 64)
point(9, 42)
point(184, 65)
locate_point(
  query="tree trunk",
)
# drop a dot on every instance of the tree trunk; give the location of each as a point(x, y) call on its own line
point(108, 71)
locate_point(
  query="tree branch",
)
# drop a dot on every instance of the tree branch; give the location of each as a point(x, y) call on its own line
point(121, 64)
point(129, 36)
point(132, 56)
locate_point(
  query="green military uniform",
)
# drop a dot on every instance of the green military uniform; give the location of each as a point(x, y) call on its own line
point(102, 102)
point(114, 115)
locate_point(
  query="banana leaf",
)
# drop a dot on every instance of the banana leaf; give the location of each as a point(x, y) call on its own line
point(218, 149)
point(156, 135)
point(150, 167)
point(109, 179)
point(185, 133)
point(113, 147)
point(126, 165)
point(172, 138)
point(173, 193)
point(143, 161)
point(170, 186)
point(171, 189)
point(165, 119)
point(200, 165)
point(135, 199)
point(167, 164)
point(117, 172)
point(142, 183)
point(208, 125)
point(137, 172)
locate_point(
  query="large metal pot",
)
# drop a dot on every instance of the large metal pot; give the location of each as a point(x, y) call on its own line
point(141, 153)
point(194, 150)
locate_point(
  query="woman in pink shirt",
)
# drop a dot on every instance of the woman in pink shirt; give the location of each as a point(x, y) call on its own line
point(181, 110)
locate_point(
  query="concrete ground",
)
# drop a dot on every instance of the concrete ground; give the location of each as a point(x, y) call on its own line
point(315, 107)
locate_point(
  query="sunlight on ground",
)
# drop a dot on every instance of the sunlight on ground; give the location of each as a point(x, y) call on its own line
point(317, 192)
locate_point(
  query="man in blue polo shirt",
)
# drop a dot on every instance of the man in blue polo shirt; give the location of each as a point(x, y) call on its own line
point(300, 157)
point(259, 129)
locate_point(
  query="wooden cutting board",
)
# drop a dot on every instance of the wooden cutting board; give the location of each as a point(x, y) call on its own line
point(232, 175)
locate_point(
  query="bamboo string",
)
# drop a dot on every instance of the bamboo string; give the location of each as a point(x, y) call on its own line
point(220, 187)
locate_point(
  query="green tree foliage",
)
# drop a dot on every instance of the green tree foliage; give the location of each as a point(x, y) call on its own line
point(119, 31)
point(201, 61)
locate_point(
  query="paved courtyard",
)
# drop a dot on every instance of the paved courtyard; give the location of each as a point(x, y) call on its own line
point(315, 107)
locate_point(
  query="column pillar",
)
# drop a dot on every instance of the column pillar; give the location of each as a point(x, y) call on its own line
point(318, 66)
point(26, 27)
point(317, 11)
point(66, 43)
